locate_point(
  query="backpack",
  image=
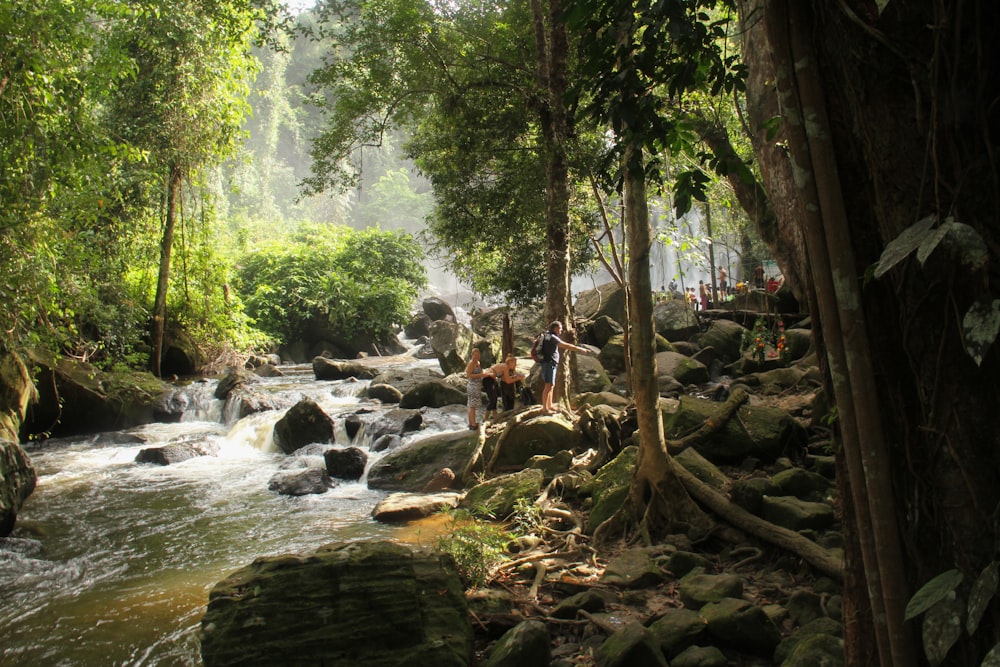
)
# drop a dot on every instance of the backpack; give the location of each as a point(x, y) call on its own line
point(536, 348)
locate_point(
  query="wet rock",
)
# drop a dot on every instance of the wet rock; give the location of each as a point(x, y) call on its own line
point(175, 453)
point(432, 394)
point(385, 393)
point(346, 462)
point(412, 466)
point(384, 442)
point(17, 482)
point(437, 309)
point(402, 507)
point(300, 482)
point(352, 425)
point(304, 423)
point(377, 604)
point(333, 369)
point(235, 377)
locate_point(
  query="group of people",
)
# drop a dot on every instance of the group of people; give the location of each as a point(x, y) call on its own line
point(500, 381)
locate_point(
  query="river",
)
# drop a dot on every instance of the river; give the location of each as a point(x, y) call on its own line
point(111, 562)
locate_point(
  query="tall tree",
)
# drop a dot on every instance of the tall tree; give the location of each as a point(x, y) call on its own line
point(886, 157)
point(642, 58)
point(185, 103)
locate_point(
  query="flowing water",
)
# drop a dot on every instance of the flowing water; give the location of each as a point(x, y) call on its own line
point(111, 562)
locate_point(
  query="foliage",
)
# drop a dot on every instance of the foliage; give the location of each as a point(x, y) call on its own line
point(478, 547)
point(459, 79)
point(353, 283)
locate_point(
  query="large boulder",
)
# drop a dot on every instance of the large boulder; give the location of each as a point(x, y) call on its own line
point(451, 342)
point(411, 467)
point(176, 452)
point(681, 368)
point(233, 379)
point(497, 498)
point(76, 398)
point(378, 604)
point(17, 481)
point(437, 308)
point(333, 369)
point(674, 320)
point(432, 394)
point(405, 379)
point(610, 486)
point(541, 436)
point(590, 375)
point(607, 299)
point(526, 322)
point(763, 432)
point(726, 337)
point(303, 424)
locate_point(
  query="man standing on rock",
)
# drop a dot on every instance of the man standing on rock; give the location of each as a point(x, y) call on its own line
point(551, 344)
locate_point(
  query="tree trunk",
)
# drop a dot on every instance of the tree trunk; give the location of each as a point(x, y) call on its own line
point(657, 499)
point(163, 278)
point(888, 118)
point(551, 49)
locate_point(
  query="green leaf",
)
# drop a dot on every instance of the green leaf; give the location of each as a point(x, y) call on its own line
point(980, 327)
point(942, 627)
point(933, 592)
point(904, 244)
point(979, 597)
point(972, 248)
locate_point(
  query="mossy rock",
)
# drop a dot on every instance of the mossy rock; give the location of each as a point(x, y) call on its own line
point(496, 498)
point(610, 486)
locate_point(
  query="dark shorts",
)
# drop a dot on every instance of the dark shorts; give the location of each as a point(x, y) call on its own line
point(549, 372)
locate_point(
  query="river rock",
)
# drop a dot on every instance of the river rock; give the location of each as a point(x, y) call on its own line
point(591, 376)
point(175, 453)
point(417, 326)
point(377, 604)
point(395, 421)
point(633, 568)
point(432, 394)
point(401, 507)
point(346, 462)
point(604, 300)
point(234, 378)
point(352, 425)
point(412, 466)
point(300, 481)
point(384, 392)
point(335, 369)
point(451, 342)
point(437, 308)
point(17, 482)
point(303, 424)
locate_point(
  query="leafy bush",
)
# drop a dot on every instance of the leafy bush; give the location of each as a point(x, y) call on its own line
point(344, 282)
point(477, 547)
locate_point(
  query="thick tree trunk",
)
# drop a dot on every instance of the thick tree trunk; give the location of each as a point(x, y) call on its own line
point(658, 500)
point(888, 118)
point(551, 50)
point(163, 278)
